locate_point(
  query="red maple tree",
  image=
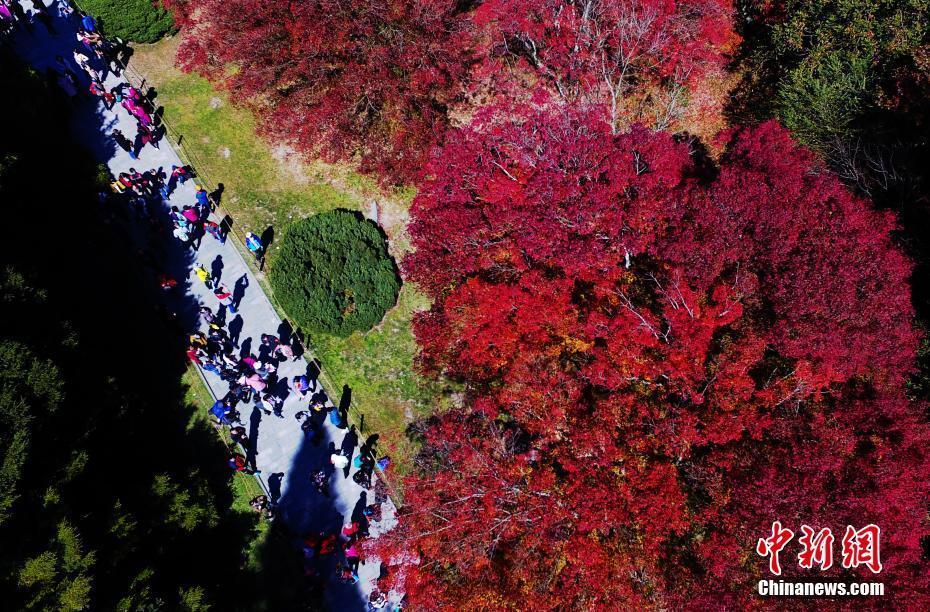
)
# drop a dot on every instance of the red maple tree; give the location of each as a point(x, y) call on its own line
point(660, 361)
point(371, 81)
point(380, 82)
point(633, 59)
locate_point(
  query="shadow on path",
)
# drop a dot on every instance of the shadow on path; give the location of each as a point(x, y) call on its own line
point(302, 509)
point(305, 511)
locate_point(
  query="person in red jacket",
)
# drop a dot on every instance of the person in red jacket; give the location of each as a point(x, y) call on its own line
point(224, 296)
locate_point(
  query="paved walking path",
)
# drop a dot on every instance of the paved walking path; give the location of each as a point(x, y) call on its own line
point(284, 454)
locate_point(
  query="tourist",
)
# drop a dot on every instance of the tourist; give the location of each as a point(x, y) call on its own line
point(176, 217)
point(377, 599)
point(63, 65)
point(87, 22)
point(91, 41)
point(265, 405)
point(353, 552)
point(137, 180)
point(84, 63)
point(224, 412)
point(167, 282)
point(183, 235)
point(97, 88)
point(230, 361)
point(210, 366)
point(351, 530)
point(339, 460)
point(237, 462)
point(179, 174)
point(254, 244)
point(191, 214)
point(365, 464)
point(266, 371)
point(275, 403)
point(21, 17)
point(225, 297)
point(122, 183)
point(237, 434)
point(124, 143)
point(144, 136)
point(300, 385)
point(65, 10)
point(255, 382)
point(196, 355)
point(269, 341)
point(67, 82)
point(203, 200)
point(42, 15)
point(346, 574)
point(206, 315)
point(372, 512)
point(214, 230)
point(259, 502)
point(320, 482)
point(242, 393)
point(132, 103)
point(197, 339)
point(284, 351)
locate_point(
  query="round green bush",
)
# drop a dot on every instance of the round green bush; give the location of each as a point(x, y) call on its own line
point(132, 20)
point(333, 273)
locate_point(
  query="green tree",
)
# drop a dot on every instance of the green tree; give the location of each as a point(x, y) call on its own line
point(821, 65)
point(333, 273)
point(60, 578)
point(28, 390)
point(821, 100)
point(194, 599)
point(874, 28)
point(132, 20)
point(181, 508)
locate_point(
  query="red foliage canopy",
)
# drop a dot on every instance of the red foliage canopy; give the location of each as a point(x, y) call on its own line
point(382, 78)
point(661, 361)
point(338, 78)
point(630, 58)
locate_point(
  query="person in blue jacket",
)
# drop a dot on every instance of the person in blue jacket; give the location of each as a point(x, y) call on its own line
point(203, 202)
point(223, 412)
point(254, 245)
point(88, 22)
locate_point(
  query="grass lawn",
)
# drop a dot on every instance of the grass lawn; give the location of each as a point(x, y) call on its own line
point(266, 185)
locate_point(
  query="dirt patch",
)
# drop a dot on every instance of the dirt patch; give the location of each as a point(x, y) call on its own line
point(394, 217)
point(389, 211)
point(156, 62)
point(290, 167)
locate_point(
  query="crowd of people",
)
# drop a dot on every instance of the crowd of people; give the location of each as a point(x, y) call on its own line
point(13, 15)
point(214, 346)
point(319, 545)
